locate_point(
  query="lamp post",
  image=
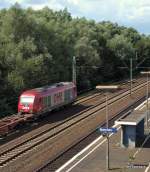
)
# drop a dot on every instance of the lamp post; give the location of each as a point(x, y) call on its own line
point(147, 95)
point(107, 89)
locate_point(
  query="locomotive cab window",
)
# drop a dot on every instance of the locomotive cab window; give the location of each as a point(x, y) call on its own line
point(68, 95)
point(27, 99)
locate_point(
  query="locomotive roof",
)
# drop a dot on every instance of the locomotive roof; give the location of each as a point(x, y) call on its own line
point(50, 87)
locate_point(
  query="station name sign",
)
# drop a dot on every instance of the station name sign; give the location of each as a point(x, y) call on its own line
point(108, 130)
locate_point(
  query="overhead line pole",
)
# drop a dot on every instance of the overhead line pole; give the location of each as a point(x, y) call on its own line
point(74, 77)
point(147, 113)
point(131, 75)
point(147, 95)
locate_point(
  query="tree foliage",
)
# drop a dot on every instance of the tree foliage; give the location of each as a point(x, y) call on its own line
point(36, 49)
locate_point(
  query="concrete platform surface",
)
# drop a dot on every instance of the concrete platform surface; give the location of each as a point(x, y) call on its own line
point(93, 159)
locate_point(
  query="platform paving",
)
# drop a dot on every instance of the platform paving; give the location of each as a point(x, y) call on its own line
point(121, 159)
point(93, 157)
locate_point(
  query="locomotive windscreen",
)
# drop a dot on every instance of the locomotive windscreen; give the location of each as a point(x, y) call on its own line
point(27, 99)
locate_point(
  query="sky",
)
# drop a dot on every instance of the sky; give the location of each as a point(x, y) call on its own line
point(130, 13)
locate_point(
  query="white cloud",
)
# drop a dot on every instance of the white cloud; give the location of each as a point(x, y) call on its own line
point(113, 9)
point(14, 1)
point(74, 2)
point(39, 4)
point(134, 10)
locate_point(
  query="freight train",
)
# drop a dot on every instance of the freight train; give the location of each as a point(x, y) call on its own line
point(41, 100)
point(38, 101)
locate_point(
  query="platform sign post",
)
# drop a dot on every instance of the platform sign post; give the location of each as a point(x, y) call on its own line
point(107, 88)
point(105, 132)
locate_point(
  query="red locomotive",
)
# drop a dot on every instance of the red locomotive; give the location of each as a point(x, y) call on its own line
point(44, 99)
point(38, 101)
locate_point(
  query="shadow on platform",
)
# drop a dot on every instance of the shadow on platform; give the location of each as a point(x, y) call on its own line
point(144, 142)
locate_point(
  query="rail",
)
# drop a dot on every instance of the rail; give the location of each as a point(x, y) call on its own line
point(24, 147)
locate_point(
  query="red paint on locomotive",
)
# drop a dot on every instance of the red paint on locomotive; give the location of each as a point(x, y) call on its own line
point(40, 100)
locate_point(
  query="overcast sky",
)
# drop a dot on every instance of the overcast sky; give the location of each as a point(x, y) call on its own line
point(134, 13)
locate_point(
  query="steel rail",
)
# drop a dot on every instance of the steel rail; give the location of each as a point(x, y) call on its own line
point(5, 121)
point(76, 115)
point(98, 93)
point(9, 155)
point(119, 115)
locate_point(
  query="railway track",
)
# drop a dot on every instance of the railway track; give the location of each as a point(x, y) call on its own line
point(33, 143)
point(7, 124)
point(123, 87)
point(100, 99)
point(87, 103)
point(68, 154)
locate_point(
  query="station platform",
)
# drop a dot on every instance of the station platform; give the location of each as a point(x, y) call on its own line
point(122, 159)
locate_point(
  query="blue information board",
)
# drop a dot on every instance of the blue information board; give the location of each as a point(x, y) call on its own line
point(108, 130)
